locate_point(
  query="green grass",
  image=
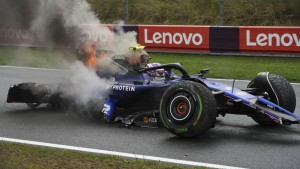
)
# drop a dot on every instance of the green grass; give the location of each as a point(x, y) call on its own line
point(25, 156)
point(238, 67)
point(200, 12)
point(35, 57)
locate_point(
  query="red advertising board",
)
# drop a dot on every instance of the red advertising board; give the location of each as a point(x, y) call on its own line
point(100, 34)
point(180, 38)
point(174, 38)
point(270, 39)
point(15, 34)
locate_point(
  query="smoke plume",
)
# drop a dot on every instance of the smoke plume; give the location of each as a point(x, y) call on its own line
point(71, 24)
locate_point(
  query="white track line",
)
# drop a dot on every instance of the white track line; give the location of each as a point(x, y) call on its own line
point(136, 156)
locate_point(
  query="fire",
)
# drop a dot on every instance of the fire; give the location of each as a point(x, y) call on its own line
point(91, 60)
point(91, 57)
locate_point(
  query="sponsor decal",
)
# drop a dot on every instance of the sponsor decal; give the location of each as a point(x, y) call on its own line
point(149, 120)
point(273, 39)
point(123, 88)
point(146, 119)
point(106, 109)
point(179, 37)
point(181, 130)
point(153, 120)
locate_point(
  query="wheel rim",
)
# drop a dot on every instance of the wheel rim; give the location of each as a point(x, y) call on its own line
point(181, 106)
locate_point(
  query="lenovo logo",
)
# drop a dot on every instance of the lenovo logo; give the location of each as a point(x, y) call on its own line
point(12, 33)
point(272, 39)
point(173, 38)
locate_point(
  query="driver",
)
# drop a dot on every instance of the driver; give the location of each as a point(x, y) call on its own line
point(157, 74)
point(138, 58)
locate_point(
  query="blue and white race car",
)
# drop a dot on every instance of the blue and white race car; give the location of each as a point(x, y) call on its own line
point(156, 95)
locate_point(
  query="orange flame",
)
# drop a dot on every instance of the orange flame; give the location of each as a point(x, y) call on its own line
point(91, 60)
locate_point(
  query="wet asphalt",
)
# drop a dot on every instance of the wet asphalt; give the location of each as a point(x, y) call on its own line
point(236, 140)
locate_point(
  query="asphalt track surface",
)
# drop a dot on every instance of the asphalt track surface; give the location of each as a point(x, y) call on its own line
point(235, 141)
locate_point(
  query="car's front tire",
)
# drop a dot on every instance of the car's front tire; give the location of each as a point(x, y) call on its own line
point(188, 109)
point(279, 91)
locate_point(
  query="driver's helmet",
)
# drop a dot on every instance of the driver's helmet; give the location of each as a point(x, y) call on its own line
point(157, 73)
point(138, 57)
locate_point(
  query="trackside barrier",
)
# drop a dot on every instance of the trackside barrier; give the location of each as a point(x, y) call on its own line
point(15, 34)
point(274, 40)
point(215, 39)
point(185, 38)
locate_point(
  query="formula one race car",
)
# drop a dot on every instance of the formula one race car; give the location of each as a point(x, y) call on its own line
point(153, 95)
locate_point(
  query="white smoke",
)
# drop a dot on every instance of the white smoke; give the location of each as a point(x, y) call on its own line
point(61, 22)
point(122, 41)
point(84, 84)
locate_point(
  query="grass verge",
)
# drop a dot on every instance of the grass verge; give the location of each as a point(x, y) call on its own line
point(238, 67)
point(35, 57)
point(14, 155)
point(229, 67)
point(233, 67)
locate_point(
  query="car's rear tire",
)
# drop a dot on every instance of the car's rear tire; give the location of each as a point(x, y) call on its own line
point(188, 109)
point(280, 92)
point(39, 93)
